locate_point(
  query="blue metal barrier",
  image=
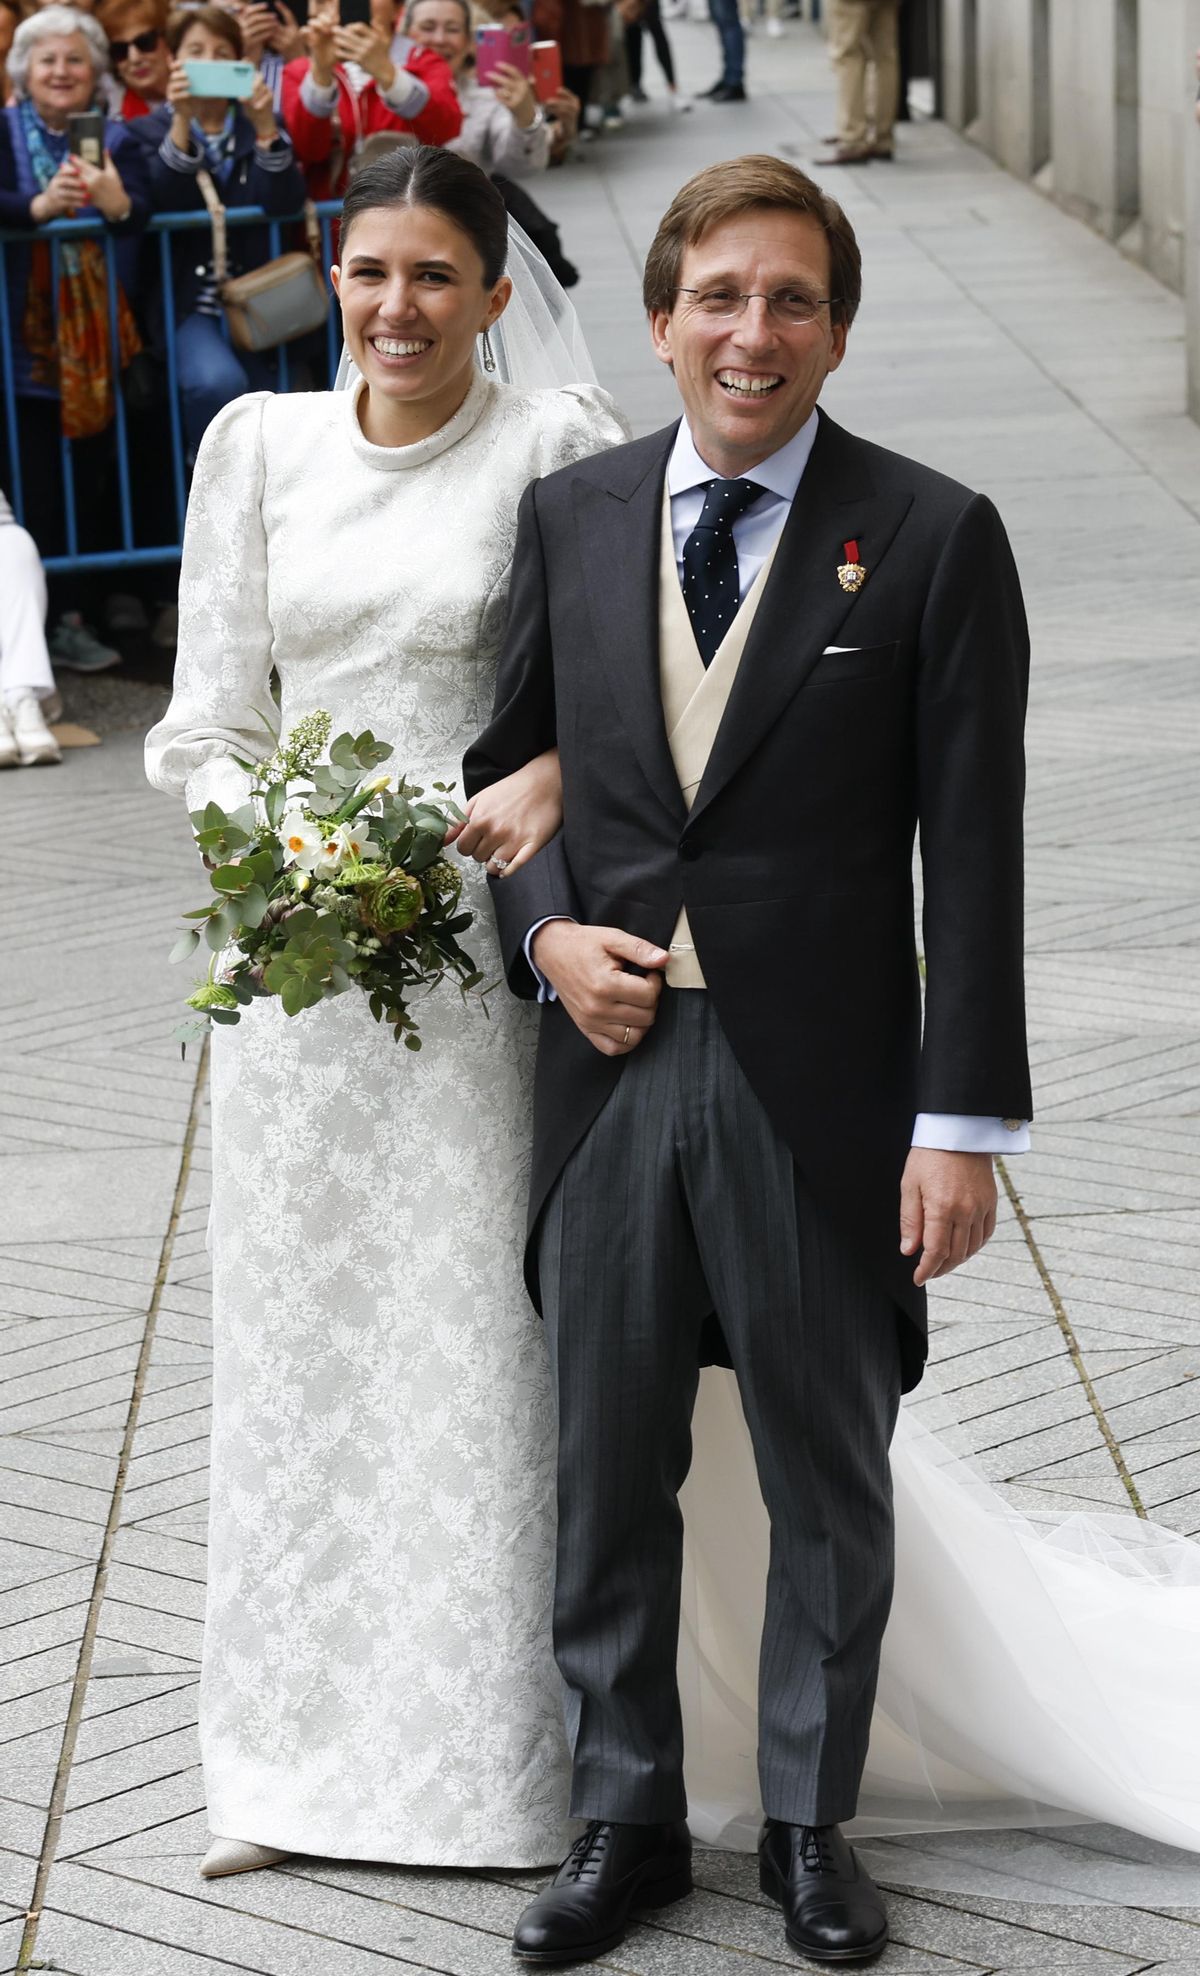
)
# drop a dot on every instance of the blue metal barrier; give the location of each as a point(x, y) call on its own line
point(165, 225)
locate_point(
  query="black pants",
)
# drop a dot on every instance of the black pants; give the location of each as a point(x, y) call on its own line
point(682, 1200)
point(579, 81)
point(652, 24)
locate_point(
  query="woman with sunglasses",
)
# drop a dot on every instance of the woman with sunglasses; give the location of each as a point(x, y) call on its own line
point(137, 47)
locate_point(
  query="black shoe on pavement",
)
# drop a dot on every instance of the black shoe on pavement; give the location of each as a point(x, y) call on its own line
point(706, 95)
point(729, 92)
point(610, 1873)
point(832, 1910)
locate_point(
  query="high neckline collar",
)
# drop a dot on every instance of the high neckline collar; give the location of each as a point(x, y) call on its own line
point(390, 458)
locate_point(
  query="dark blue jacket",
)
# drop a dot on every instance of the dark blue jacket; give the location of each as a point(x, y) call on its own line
point(245, 181)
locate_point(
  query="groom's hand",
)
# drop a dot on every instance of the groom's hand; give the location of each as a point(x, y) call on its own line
point(947, 1209)
point(586, 966)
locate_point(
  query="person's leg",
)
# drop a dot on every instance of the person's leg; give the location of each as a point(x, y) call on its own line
point(578, 78)
point(883, 40)
point(728, 23)
point(623, 1301)
point(211, 374)
point(633, 55)
point(815, 1345)
point(653, 22)
point(24, 659)
point(848, 53)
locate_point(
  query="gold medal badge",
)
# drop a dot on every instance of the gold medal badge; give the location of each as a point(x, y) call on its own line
point(851, 574)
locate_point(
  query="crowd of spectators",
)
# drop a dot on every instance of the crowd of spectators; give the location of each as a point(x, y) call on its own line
point(87, 329)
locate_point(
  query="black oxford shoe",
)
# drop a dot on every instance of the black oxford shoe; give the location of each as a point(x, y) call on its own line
point(610, 1873)
point(832, 1910)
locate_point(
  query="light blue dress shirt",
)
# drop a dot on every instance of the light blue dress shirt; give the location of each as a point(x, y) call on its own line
point(755, 533)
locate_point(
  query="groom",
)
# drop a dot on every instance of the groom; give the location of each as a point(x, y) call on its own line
point(768, 653)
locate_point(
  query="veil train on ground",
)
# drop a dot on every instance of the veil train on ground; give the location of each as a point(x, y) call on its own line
point(1036, 1672)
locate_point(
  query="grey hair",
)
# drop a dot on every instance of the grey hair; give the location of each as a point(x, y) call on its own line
point(53, 21)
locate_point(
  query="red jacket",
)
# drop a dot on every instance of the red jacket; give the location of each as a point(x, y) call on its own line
point(325, 145)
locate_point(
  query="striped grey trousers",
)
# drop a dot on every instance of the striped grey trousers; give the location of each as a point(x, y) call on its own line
point(682, 1200)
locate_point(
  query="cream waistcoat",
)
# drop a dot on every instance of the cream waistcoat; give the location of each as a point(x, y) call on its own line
point(694, 701)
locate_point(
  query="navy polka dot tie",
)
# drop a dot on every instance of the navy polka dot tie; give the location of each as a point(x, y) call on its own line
point(710, 564)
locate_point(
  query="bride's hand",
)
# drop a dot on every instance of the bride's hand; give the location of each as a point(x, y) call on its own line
point(509, 822)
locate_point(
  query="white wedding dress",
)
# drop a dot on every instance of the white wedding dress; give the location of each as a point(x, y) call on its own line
point(377, 1674)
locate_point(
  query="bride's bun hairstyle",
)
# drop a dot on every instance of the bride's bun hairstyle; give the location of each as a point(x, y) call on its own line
point(740, 185)
point(422, 175)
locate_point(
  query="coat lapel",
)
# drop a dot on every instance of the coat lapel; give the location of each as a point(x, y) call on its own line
point(803, 605)
point(619, 526)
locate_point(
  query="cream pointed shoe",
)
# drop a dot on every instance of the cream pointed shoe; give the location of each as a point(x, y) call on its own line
point(237, 1856)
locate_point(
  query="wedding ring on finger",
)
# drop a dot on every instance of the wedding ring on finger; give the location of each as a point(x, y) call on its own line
point(497, 863)
point(626, 1036)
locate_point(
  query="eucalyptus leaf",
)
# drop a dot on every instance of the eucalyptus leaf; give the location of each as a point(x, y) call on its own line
point(186, 945)
point(252, 906)
point(276, 799)
point(230, 878)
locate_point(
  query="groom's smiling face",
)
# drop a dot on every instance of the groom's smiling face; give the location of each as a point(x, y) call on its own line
point(749, 381)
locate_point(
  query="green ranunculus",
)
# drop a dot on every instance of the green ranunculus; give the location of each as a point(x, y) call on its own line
point(392, 903)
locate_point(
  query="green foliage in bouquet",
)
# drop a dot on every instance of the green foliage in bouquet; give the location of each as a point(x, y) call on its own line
point(329, 877)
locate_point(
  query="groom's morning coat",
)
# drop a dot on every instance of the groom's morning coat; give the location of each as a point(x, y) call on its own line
point(795, 862)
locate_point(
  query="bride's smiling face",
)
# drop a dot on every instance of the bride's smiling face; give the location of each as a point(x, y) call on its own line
point(414, 300)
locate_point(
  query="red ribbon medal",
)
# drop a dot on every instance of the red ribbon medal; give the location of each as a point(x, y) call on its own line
point(851, 574)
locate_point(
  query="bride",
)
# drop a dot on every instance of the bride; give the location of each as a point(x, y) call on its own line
point(377, 1676)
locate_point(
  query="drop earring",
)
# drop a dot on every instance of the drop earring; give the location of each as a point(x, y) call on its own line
point(489, 361)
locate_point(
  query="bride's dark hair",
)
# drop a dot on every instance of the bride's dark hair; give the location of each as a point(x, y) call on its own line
point(422, 175)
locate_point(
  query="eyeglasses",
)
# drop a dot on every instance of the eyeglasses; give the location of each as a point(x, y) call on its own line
point(786, 305)
point(144, 43)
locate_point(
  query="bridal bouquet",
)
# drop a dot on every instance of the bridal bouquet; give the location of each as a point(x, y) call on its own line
point(330, 877)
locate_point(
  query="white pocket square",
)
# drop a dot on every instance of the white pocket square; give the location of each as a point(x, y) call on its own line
point(840, 648)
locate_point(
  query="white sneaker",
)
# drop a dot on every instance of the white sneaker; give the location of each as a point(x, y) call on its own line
point(774, 27)
point(10, 753)
point(34, 741)
point(679, 103)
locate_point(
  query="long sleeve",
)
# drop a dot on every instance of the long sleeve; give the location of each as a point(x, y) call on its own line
point(308, 116)
point(441, 117)
point(222, 703)
point(493, 139)
point(973, 678)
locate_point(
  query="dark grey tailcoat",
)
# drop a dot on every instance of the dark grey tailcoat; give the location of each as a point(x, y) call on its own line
point(795, 862)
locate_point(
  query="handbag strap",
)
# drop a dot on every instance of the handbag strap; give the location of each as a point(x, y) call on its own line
point(312, 229)
point(220, 232)
point(220, 236)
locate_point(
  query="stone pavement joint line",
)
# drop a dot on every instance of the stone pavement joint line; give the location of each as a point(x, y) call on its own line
point(62, 1775)
point(1064, 1324)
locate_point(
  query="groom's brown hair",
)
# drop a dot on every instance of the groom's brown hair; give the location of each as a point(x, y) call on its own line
point(739, 185)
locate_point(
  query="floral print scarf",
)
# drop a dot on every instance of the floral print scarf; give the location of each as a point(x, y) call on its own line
point(72, 354)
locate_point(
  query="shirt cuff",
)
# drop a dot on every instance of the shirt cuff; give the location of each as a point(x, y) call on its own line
point(546, 993)
point(407, 96)
point(177, 160)
point(319, 99)
point(957, 1132)
point(275, 157)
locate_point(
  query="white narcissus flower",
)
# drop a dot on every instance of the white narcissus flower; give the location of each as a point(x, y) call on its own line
point(302, 840)
point(344, 841)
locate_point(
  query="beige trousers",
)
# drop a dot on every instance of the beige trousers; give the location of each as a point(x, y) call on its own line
point(865, 50)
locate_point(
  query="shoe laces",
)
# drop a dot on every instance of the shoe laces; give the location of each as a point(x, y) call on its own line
point(816, 1850)
point(583, 1860)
